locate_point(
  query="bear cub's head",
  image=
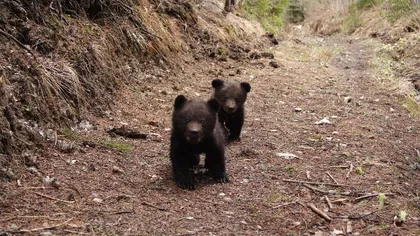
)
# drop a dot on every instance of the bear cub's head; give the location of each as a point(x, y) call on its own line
point(194, 120)
point(230, 94)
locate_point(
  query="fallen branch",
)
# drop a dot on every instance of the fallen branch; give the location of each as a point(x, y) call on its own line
point(319, 212)
point(284, 204)
point(45, 228)
point(351, 169)
point(315, 189)
point(335, 181)
point(53, 198)
point(153, 206)
point(328, 202)
point(308, 182)
point(7, 35)
point(371, 195)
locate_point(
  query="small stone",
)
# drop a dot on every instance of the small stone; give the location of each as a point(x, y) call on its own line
point(298, 109)
point(286, 155)
point(244, 222)
point(98, 200)
point(13, 227)
point(222, 194)
point(117, 170)
point(227, 199)
point(323, 121)
point(259, 227)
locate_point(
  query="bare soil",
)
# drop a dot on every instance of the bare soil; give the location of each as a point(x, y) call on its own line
point(128, 190)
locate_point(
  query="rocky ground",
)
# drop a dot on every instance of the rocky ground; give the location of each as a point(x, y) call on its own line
point(322, 117)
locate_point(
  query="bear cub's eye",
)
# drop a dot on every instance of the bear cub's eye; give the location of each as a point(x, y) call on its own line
point(203, 121)
point(187, 120)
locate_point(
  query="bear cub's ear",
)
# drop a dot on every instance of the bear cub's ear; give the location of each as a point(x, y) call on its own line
point(217, 83)
point(179, 102)
point(213, 104)
point(246, 86)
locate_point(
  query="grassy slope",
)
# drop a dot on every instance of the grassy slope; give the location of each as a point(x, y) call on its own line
point(66, 60)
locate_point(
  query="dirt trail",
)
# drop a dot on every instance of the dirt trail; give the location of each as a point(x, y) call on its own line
point(325, 78)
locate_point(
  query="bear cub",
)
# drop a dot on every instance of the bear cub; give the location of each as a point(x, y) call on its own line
point(196, 130)
point(231, 96)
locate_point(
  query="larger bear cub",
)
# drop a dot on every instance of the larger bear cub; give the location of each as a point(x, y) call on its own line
point(196, 130)
point(231, 96)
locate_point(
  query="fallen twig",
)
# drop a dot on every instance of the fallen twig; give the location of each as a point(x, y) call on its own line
point(349, 228)
point(53, 198)
point(28, 217)
point(351, 169)
point(119, 212)
point(335, 181)
point(371, 195)
point(358, 217)
point(328, 202)
point(45, 228)
point(315, 189)
point(341, 200)
point(153, 206)
point(342, 167)
point(319, 212)
point(308, 182)
point(284, 204)
point(7, 35)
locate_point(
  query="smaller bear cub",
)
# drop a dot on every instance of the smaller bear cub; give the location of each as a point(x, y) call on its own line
point(231, 96)
point(196, 130)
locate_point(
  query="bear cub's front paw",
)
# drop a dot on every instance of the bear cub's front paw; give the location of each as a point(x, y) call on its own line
point(185, 182)
point(222, 178)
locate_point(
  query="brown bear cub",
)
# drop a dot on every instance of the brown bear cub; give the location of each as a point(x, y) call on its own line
point(196, 130)
point(231, 96)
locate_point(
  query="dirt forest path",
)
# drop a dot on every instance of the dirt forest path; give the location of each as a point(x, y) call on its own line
point(132, 193)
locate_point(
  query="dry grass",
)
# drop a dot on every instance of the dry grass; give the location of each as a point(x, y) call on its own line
point(163, 33)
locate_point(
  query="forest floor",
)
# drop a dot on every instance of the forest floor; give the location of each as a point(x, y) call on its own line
point(368, 144)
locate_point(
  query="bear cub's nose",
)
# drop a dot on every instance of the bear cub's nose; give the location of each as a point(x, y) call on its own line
point(194, 132)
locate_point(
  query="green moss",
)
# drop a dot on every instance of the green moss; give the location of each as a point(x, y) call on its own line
point(70, 134)
point(411, 105)
point(270, 13)
point(122, 147)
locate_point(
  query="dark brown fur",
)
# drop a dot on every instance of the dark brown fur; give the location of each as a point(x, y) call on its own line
point(196, 130)
point(231, 96)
